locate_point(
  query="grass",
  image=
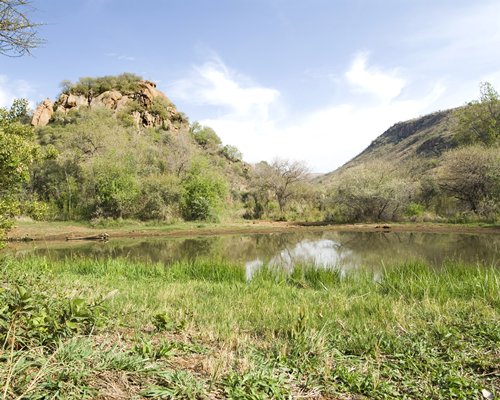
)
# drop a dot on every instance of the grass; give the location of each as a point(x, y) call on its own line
point(82, 328)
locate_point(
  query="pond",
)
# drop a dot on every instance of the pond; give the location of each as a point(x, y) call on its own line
point(329, 249)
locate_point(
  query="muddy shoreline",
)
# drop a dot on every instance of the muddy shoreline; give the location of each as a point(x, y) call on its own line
point(56, 232)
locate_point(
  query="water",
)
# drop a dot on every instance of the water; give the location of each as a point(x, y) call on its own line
point(343, 250)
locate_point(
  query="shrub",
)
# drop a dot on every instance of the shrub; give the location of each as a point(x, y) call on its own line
point(202, 193)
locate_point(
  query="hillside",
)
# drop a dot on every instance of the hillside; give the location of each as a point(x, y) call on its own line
point(117, 147)
point(415, 141)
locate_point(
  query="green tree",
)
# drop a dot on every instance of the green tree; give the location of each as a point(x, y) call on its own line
point(203, 192)
point(231, 153)
point(91, 87)
point(205, 136)
point(479, 121)
point(18, 34)
point(17, 153)
point(115, 188)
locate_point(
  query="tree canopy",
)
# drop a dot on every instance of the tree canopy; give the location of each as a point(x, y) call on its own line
point(17, 152)
point(479, 121)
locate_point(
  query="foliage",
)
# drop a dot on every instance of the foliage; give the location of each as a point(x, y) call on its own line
point(479, 121)
point(159, 197)
point(159, 107)
point(93, 87)
point(408, 330)
point(205, 136)
point(371, 192)
point(231, 153)
point(203, 192)
point(99, 166)
point(282, 181)
point(17, 152)
point(115, 188)
point(18, 34)
point(472, 175)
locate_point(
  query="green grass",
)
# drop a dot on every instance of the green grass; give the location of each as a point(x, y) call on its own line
point(81, 328)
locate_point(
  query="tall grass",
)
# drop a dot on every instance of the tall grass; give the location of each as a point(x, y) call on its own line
point(201, 329)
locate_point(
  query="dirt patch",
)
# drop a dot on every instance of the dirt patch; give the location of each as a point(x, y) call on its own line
point(55, 232)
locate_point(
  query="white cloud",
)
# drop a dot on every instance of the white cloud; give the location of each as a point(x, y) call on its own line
point(120, 57)
point(251, 116)
point(386, 85)
point(214, 84)
point(10, 90)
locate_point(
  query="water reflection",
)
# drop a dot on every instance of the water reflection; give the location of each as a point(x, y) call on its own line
point(343, 250)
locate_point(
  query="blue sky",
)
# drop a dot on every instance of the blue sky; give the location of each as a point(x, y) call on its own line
point(313, 80)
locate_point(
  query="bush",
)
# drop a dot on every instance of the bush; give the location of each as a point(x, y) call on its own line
point(472, 176)
point(202, 193)
point(125, 83)
point(370, 192)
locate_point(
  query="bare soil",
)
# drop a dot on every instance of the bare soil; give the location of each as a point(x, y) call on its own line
point(56, 231)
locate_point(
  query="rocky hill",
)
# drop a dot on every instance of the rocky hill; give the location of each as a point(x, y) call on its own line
point(417, 140)
point(140, 101)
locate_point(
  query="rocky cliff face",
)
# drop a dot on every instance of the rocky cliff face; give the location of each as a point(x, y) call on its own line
point(148, 107)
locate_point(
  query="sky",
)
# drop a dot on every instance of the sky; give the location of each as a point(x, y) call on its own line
point(314, 80)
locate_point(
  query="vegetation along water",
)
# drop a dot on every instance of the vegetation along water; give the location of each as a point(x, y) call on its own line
point(379, 310)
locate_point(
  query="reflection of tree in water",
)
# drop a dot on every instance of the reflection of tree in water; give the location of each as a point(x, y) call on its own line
point(345, 249)
point(434, 248)
point(199, 247)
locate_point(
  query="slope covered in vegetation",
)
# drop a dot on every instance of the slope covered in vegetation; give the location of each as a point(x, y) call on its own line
point(441, 165)
point(116, 147)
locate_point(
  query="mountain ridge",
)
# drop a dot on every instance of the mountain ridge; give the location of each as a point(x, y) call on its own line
point(422, 138)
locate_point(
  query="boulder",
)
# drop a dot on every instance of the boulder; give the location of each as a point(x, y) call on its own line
point(116, 101)
point(74, 100)
point(148, 93)
point(43, 113)
point(111, 99)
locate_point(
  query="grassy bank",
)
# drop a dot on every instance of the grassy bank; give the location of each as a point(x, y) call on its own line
point(116, 329)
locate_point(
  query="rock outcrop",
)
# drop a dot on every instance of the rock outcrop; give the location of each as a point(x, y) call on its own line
point(43, 113)
point(147, 106)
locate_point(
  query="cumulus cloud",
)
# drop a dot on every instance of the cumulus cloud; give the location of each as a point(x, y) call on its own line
point(386, 85)
point(10, 90)
point(214, 84)
point(255, 119)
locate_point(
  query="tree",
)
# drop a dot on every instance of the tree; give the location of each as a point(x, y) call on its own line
point(479, 121)
point(17, 152)
point(282, 180)
point(205, 136)
point(286, 178)
point(18, 34)
point(471, 175)
point(370, 192)
point(231, 153)
point(180, 153)
point(203, 192)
